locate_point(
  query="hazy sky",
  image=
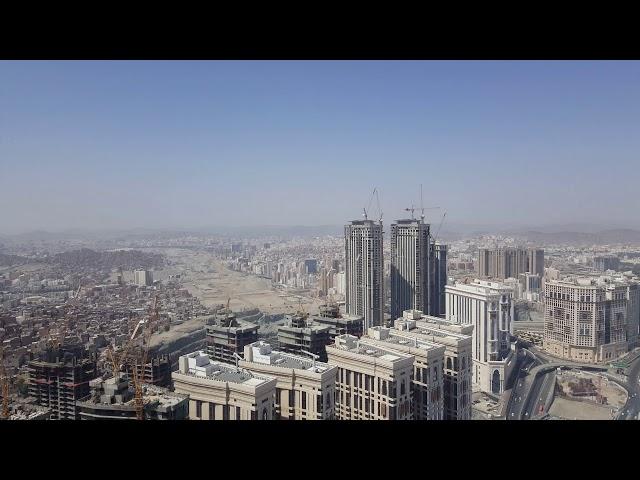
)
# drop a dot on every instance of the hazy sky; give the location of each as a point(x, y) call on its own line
point(192, 144)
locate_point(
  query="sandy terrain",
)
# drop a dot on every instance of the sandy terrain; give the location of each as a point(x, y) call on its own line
point(212, 283)
point(571, 409)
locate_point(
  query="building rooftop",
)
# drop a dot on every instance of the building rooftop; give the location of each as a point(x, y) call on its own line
point(199, 364)
point(262, 353)
point(482, 287)
point(397, 337)
point(362, 347)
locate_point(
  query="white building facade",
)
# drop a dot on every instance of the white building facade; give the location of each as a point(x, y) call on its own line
point(489, 307)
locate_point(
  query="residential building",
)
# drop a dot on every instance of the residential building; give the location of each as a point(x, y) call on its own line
point(488, 306)
point(305, 388)
point(437, 279)
point(143, 278)
point(506, 262)
point(219, 391)
point(427, 381)
point(458, 357)
point(364, 272)
point(373, 382)
point(410, 266)
point(338, 324)
point(591, 320)
point(606, 262)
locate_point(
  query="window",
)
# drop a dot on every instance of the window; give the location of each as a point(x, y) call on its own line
point(392, 389)
point(212, 411)
point(304, 400)
point(237, 413)
point(198, 408)
point(225, 412)
point(366, 382)
point(319, 403)
point(292, 398)
point(265, 414)
point(384, 387)
point(402, 387)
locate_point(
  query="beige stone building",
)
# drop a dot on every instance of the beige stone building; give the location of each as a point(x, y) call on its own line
point(305, 388)
point(427, 381)
point(591, 320)
point(373, 382)
point(219, 391)
point(458, 358)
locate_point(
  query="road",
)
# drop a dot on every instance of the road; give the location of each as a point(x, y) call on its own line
point(631, 408)
point(522, 385)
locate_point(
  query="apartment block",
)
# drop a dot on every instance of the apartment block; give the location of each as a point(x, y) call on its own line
point(510, 262)
point(427, 381)
point(373, 382)
point(219, 391)
point(364, 271)
point(591, 320)
point(458, 358)
point(305, 388)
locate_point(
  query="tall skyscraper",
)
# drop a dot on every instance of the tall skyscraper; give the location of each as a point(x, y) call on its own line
point(437, 279)
point(410, 266)
point(364, 271)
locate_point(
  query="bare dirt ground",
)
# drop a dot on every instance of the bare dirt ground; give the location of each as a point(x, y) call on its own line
point(574, 410)
point(208, 279)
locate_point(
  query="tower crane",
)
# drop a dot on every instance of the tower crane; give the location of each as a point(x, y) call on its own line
point(138, 373)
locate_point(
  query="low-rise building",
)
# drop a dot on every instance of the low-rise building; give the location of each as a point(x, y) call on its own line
point(305, 388)
point(219, 391)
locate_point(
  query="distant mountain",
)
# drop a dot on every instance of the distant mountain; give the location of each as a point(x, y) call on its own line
point(617, 236)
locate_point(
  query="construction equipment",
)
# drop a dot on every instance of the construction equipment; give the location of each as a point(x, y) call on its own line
point(141, 359)
point(439, 227)
point(365, 211)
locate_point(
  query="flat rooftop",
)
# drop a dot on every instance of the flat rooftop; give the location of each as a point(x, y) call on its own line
point(362, 347)
point(264, 355)
point(202, 366)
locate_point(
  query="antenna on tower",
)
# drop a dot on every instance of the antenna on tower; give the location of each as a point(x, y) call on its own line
point(421, 206)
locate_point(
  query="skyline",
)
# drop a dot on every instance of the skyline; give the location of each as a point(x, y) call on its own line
point(183, 145)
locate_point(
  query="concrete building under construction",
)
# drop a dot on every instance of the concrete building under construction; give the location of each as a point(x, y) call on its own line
point(298, 335)
point(226, 335)
point(156, 372)
point(60, 381)
point(113, 399)
point(339, 324)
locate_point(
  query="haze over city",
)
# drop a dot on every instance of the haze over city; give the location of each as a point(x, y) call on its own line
point(338, 241)
point(120, 144)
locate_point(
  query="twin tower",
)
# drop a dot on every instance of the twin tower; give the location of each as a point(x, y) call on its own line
point(418, 270)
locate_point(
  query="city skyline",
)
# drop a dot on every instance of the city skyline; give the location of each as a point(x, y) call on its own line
point(177, 145)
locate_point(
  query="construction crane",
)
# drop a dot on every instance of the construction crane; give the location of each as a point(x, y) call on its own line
point(139, 367)
point(439, 227)
point(5, 387)
point(365, 211)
